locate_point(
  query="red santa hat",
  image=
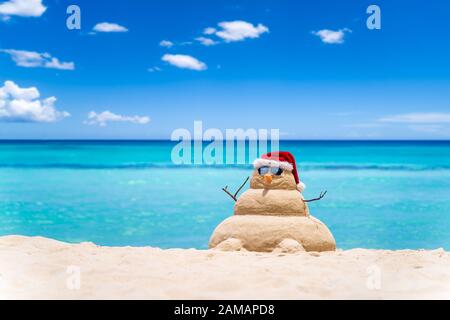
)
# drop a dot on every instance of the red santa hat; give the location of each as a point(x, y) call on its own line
point(281, 159)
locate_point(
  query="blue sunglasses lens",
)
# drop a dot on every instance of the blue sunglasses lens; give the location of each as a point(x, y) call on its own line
point(263, 170)
point(273, 170)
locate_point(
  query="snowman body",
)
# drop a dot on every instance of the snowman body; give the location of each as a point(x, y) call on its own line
point(270, 217)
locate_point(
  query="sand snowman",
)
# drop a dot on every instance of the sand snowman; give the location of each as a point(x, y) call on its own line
point(273, 215)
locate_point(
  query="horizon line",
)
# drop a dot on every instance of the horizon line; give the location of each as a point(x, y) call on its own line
point(246, 140)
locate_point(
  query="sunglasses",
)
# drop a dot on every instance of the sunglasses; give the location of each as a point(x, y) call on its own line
point(273, 170)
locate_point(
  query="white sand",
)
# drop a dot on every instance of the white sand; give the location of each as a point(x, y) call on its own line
point(40, 268)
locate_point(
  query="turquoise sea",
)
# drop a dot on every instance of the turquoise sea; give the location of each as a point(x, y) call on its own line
point(388, 195)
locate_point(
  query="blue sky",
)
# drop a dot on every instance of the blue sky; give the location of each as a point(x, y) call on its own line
point(311, 69)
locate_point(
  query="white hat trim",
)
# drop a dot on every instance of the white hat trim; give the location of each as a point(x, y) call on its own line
point(301, 186)
point(258, 163)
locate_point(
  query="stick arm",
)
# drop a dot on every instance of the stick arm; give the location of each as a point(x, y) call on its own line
point(322, 194)
point(234, 196)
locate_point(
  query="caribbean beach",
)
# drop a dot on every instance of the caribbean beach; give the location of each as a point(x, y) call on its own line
point(41, 268)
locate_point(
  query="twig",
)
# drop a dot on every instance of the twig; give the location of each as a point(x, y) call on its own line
point(228, 193)
point(322, 194)
point(234, 197)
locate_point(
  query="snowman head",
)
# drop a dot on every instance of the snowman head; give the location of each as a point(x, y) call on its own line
point(276, 170)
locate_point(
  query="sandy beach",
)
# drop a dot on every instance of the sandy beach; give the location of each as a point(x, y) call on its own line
point(41, 268)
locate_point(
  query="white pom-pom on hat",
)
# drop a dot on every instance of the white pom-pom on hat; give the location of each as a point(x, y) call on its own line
point(301, 186)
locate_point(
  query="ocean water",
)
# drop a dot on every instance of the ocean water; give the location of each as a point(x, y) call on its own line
point(390, 195)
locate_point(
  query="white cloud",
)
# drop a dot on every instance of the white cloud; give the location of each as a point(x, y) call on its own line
point(427, 128)
point(364, 125)
point(54, 63)
point(184, 62)
point(206, 41)
point(166, 43)
point(109, 27)
point(154, 69)
point(104, 117)
point(331, 36)
point(23, 105)
point(22, 8)
point(31, 59)
point(424, 117)
point(237, 30)
point(209, 31)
